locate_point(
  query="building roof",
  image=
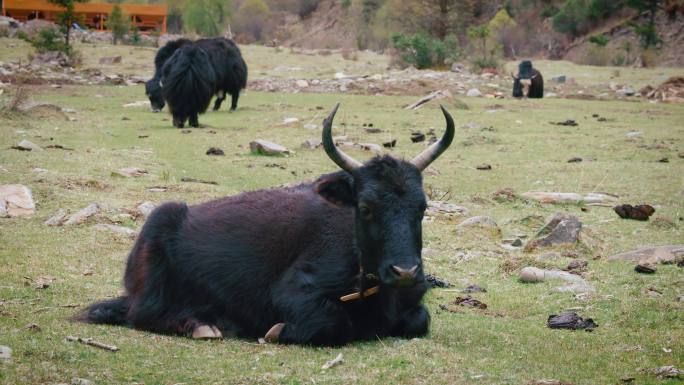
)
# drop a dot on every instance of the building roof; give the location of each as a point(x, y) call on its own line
point(130, 9)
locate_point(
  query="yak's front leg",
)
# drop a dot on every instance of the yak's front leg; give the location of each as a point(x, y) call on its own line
point(310, 319)
point(194, 120)
point(412, 323)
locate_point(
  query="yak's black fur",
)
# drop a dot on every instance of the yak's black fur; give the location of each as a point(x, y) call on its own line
point(152, 86)
point(188, 82)
point(526, 71)
point(246, 262)
point(225, 58)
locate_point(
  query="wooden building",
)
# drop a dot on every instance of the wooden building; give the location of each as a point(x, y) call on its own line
point(93, 15)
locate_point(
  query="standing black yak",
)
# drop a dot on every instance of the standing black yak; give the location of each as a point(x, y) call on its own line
point(529, 82)
point(230, 71)
point(322, 263)
point(152, 86)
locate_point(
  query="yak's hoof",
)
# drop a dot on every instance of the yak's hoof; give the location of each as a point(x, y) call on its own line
point(206, 332)
point(273, 333)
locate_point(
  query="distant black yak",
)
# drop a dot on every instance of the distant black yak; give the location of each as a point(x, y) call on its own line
point(224, 58)
point(529, 82)
point(152, 87)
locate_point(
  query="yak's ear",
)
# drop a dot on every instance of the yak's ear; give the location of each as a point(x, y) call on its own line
point(337, 188)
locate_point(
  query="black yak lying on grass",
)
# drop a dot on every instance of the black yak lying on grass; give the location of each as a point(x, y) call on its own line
point(223, 58)
point(529, 82)
point(322, 263)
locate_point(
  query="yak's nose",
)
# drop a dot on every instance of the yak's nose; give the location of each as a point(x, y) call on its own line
point(405, 275)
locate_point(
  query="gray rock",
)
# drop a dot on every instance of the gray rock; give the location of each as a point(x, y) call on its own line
point(146, 208)
point(302, 83)
point(311, 144)
point(446, 209)
point(28, 146)
point(117, 229)
point(81, 381)
point(559, 79)
point(109, 60)
point(83, 215)
point(5, 354)
point(264, 147)
point(576, 284)
point(474, 93)
point(16, 201)
point(57, 218)
point(560, 229)
point(626, 91)
point(658, 254)
point(371, 147)
point(457, 67)
point(130, 172)
point(482, 222)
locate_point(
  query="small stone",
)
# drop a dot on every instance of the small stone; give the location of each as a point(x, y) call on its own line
point(83, 215)
point(117, 229)
point(264, 147)
point(302, 83)
point(311, 126)
point(474, 289)
point(26, 145)
point(311, 144)
point(645, 268)
point(481, 221)
point(57, 218)
point(626, 91)
point(186, 131)
point(16, 201)
point(531, 274)
point(370, 147)
point(215, 151)
point(559, 79)
point(474, 93)
point(146, 208)
point(5, 354)
point(109, 60)
point(81, 381)
point(130, 172)
point(289, 121)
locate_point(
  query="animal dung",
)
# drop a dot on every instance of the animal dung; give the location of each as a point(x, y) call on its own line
point(469, 301)
point(390, 144)
point(645, 268)
point(484, 166)
point(638, 212)
point(433, 281)
point(570, 320)
point(215, 151)
point(417, 137)
point(567, 122)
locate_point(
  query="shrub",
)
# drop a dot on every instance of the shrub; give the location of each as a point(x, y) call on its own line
point(599, 40)
point(423, 51)
point(119, 23)
point(47, 40)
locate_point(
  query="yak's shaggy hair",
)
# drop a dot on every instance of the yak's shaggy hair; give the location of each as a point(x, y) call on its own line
point(188, 82)
point(152, 86)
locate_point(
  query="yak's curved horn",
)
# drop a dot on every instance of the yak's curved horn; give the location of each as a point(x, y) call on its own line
point(346, 162)
point(436, 149)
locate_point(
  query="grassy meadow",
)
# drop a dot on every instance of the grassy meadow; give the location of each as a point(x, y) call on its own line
point(508, 344)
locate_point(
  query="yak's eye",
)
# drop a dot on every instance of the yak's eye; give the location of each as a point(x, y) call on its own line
point(365, 211)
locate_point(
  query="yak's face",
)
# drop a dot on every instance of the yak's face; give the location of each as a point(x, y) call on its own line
point(525, 75)
point(153, 91)
point(388, 199)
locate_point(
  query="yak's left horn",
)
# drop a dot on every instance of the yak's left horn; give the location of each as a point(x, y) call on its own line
point(436, 149)
point(346, 162)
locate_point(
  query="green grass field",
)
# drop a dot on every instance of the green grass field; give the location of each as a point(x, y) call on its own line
point(508, 345)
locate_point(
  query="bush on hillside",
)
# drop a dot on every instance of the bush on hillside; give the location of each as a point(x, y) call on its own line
point(423, 51)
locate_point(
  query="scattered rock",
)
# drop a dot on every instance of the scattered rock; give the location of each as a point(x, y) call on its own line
point(446, 209)
point(484, 166)
point(334, 362)
point(289, 121)
point(264, 147)
point(83, 215)
point(634, 134)
point(26, 145)
point(57, 219)
point(638, 212)
point(626, 91)
point(110, 60)
point(665, 372)
point(575, 159)
point(664, 223)
point(139, 103)
point(32, 327)
point(560, 229)
point(651, 255)
point(117, 229)
point(16, 201)
point(559, 79)
point(479, 221)
point(215, 151)
point(474, 93)
point(457, 67)
point(370, 147)
point(570, 320)
point(645, 268)
point(562, 197)
point(43, 282)
point(311, 144)
point(506, 194)
point(577, 266)
point(567, 122)
point(81, 381)
point(5, 354)
point(474, 289)
point(576, 284)
point(146, 208)
point(433, 281)
point(301, 83)
point(130, 172)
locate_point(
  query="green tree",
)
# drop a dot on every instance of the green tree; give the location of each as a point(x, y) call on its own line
point(119, 23)
point(251, 17)
point(67, 18)
point(480, 33)
point(646, 31)
point(206, 17)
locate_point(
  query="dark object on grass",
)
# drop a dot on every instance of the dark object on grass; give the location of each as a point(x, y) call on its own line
point(638, 212)
point(484, 166)
point(567, 122)
point(193, 180)
point(469, 301)
point(436, 282)
point(417, 137)
point(577, 266)
point(215, 151)
point(575, 159)
point(474, 289)
point(570, 320)
point(664, 160)
point(277, 263)
point(529, 82)
point(390, 144)
point(645, 268)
